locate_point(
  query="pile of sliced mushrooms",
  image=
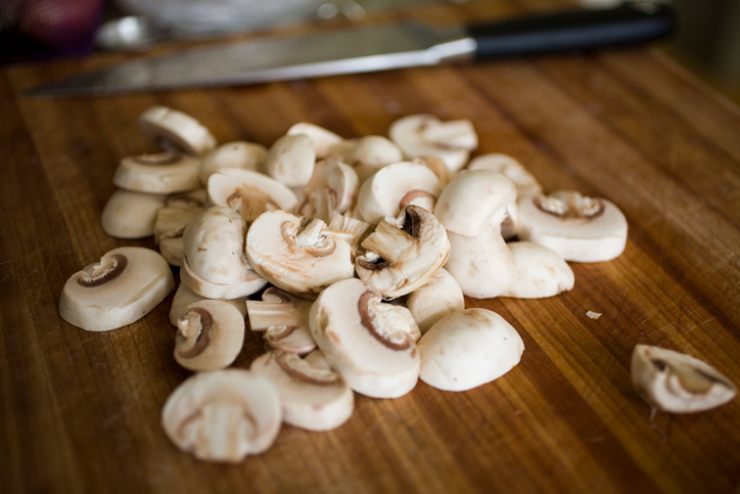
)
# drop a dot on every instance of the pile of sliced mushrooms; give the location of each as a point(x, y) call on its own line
point(352, 257)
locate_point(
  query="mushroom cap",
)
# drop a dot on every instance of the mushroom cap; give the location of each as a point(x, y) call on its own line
point(182, 130)
point(235, 188)
point(324, 141)
point(403, 257)
point(312, 395)
point(373, 151)
point(130, 214)
point(121, 288)
point(184, 296)
point(678, 383)
point(381, 194)
point(236, 154)
point(295, 253)
point(540, 272)
point(291, 160)
point(160, 173)
point(526, 183)
point(380, 361)
point(223, 415)
point(579, 228)
point(473, 200)
point(332, 190)
point(441, 295)
point(467, 349)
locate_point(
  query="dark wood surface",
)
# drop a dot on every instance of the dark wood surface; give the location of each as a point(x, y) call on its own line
point(80, 411)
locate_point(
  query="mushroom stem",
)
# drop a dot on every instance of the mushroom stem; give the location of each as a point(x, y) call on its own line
point(262, 315)
point(388, 241)
point(311, 233)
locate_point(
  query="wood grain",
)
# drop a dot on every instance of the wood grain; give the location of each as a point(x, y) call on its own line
point(80, 411)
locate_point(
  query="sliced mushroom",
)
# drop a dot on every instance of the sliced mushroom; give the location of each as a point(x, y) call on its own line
point(371, 344)
point(437, 166)
point(467, 349)
point(170, 224)
point(284, 320)
point(540, 272)
point(178, 128)
point(401, 258)
point(223, 415)
point(121, 288)
point(526, 184)
point(440, 296)
point(237, 154)
point(352, 228)
point(312, 395)
point(296, 254)
point(251, 193)
point(184, 296)
point(426, 135)
point(393, 187)
point(214, 265)
point(131, 214)
point(579, 228)
point(369, 154)
point(324, 141)
point(159, 173)
point(291, 160)
point(677, 383)
point(209, 336)
point(332, 190)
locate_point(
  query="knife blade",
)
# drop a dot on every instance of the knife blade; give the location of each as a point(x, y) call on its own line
point(373, 48)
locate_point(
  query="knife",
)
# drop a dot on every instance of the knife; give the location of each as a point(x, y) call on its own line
point(374, 48)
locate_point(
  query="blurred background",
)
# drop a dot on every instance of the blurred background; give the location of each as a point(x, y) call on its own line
point(707, 41)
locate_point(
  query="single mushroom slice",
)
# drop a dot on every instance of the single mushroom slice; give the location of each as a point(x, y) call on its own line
point(249, 192)
point(401, 258)
point(297, 254)
point(395, 186)
point(426, 135)
point(170, 224)
point(677, 383)
point(284, 320)
point(332, 190)
point(121, 288)
point(223, 415)
point(184, 296)
point(579, 228)
point(209, 336)
point(214, 265)
point(440, 296)
point(237, 154)
point(291, 160)
point(324, 141)
point(372, 344)
point(369, 154)
point(312, 395)
point(540, 272)
point(130, 214)
point(178, 128)
point(158, 173)
point(526, 184)
point(467, 349)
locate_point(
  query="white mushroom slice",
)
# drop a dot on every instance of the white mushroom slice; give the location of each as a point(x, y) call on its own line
point(579, 228)
point(214, 265)
point(131, 214)
point(291, 160)
point(284, 319)
point(251, 193)
point(332, 190)
point(383, 194)
point(526, 184)
point(312, 395)
point(296, 254)
point(439, 297)
point(678, 383)
point(371, 344)
point(437, 166)
point(400, 259)
point(209, 336)
point(121, 288)
point(473, 200)
point(172, 220)
point(159, 173)
point(354, 229)
point(426, 135)
point(324, 141)
point(184, 296)
point(223, 415)
point(178, 128)
point(371, 153)
point(540, 272)
point(467, 349)
point(173, 250)
point(237, 154)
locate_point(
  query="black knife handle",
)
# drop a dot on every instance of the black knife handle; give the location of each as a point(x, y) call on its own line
point(631, 22)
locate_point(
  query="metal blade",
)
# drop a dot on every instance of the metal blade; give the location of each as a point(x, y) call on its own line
point(327, 53)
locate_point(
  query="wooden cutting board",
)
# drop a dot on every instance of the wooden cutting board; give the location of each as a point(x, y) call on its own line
point(81, 411)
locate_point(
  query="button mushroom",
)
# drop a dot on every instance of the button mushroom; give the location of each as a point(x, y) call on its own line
point(526, 184)
point(467, 349)
point(237, 154)
point(312, 395)
point(369, 154)
point(291, 160)
point(297, 254)
point(371, 344)
point(223, 415)
point(184, 296)
point(251, 193)
point(579, 228)
point(440, 296)
point(332, 190)
point(401, 258)
point(121, 288)
point(284, 319)
point(324, 141)
point(130, 214)
point(677, 383)
point(178, 128)
point(540, 272)
point(159, 173)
